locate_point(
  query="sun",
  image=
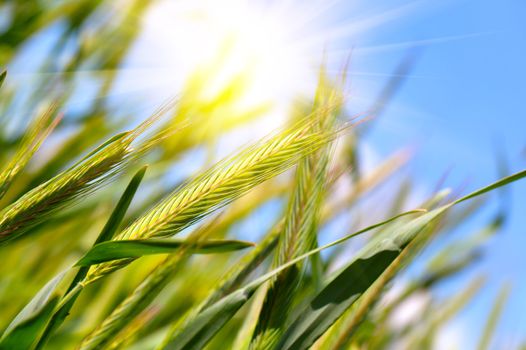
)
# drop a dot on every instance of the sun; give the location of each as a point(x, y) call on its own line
point(216, 44)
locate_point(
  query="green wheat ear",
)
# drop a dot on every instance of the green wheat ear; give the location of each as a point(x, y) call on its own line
point(220, 185)
point(82, 178)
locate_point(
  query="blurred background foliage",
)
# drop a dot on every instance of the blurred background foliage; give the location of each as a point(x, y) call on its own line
point(86, 51)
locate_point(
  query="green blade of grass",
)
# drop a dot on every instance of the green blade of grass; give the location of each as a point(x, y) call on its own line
point(116, 217)
point(446, 263)
point(359, 307)
point(382, 253)
point(135, 248)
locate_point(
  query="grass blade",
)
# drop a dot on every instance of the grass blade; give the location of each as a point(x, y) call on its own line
point(116, 217)
point(135, 248)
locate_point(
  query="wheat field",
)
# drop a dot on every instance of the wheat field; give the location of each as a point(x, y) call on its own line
point(102, 249)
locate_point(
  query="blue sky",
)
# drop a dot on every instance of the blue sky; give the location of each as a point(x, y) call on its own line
point(463, 101)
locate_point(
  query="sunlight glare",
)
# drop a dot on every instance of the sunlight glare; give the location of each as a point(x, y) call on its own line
point(230, 40)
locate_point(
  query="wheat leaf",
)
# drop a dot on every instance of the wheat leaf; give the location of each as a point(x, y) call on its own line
point(125, 249)
point(115, 220)
point(345, 289)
